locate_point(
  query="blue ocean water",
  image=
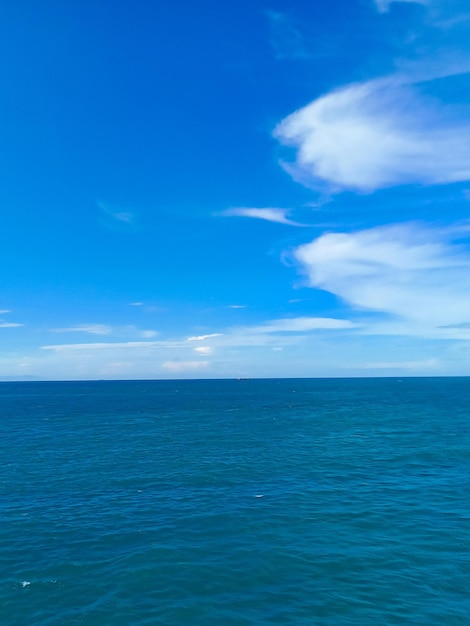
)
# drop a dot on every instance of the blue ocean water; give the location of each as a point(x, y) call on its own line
point(319, 502)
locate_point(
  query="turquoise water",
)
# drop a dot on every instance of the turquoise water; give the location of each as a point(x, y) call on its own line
point(319, 502)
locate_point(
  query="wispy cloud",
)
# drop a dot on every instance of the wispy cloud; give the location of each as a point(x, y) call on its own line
point(378, 134)
point(318, 346)
point(269, 214)
point(203, 337)
point(418, 276)
point(236, 306)
point(301, 324)
point(203, 350)
point(128, 331)
point(112, 216)
point(4, 324)
point(123, 216)
point(384, 5)
point(111, 345)
point(261, 334)
point(92, 329)
point(148, 334)
point(403, 128)
point(287, 40)
point(147, 308)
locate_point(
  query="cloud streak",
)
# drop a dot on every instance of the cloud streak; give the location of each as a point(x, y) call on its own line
point(276, 215)
point(111, 216)
point(234, 336)
point(92, 329)
point(203, 337)
point(286, 39)
point(301, 324)
point(384, 5)
point(4, 324)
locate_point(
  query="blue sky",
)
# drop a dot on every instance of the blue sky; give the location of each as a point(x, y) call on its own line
point(225, 189)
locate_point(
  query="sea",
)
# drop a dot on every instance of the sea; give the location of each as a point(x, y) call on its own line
point(320, 502)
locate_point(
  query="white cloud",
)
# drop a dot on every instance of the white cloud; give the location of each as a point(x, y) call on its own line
point(92, 329)
point(203, 337)
point(184, 366)
point(258, 335)
point(203, 350)
point(239, 306)
point(301, 324)
point(269, 214)
point(407, 128)
point(8, 324)
point(302, 346)
point(377, 134)
point(148, 334)
point(413, 273)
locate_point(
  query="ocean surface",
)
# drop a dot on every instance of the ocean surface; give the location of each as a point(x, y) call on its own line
point(306, 502)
